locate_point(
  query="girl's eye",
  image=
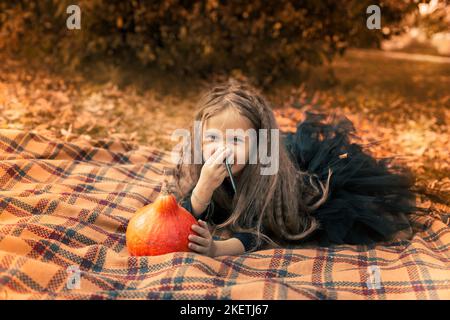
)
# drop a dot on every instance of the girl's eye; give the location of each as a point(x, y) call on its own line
point(211, 137)
point(237, 140)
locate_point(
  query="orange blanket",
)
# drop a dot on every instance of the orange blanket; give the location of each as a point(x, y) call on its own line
point(64, 208)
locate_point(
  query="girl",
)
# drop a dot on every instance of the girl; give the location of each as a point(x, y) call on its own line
point(326, 190)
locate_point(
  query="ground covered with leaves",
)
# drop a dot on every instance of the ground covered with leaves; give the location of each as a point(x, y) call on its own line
point(402, 106)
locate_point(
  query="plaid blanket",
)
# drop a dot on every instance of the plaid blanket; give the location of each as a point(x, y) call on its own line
point(64, 209)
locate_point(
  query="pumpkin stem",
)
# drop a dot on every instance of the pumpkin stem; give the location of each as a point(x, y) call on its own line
point(166, 200)
point(165, 183)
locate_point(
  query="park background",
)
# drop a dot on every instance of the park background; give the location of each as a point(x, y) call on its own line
point(136, 68)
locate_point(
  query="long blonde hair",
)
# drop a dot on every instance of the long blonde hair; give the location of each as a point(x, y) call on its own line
point(280, 204)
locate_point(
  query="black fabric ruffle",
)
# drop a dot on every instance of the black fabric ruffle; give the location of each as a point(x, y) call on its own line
point(367, 202)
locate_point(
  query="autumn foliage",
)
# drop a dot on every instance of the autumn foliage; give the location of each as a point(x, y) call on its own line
point(261, 39)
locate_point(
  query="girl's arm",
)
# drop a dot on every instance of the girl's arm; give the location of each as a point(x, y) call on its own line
point(202, 242)
point(187, 203)
point(200, 198)
point(229, 247)
point(240, 243)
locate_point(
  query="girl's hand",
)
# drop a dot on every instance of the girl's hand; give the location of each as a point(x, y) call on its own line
point(214, 171)
point(211, 177)
point(203, 243)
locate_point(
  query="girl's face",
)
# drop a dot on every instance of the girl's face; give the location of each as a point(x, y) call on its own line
point(215, 135)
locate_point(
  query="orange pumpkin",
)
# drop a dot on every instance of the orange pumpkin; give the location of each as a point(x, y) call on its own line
point(160, 227)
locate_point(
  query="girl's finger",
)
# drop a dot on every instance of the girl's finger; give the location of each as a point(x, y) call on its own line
point(200, 230)
point(219, 169)
point(230, 156)
point(205, 225)
point(220, 158)
point(224, 174)
point(199, 240)
point(216, 153)
point(197, 248)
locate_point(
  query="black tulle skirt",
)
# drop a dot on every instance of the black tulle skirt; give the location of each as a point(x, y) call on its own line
point(368, 201)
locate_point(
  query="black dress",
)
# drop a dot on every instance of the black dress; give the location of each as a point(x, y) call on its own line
point(367, 202)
